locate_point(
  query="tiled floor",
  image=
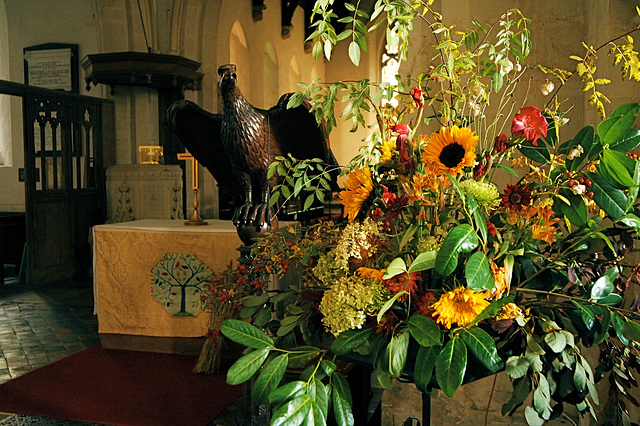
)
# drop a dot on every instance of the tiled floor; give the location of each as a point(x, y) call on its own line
point(42, 325)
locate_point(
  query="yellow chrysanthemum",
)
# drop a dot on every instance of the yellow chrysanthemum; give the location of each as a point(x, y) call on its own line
point(386, 150)
point(357, 189)
point(510, 311)
point(460, 306)
point(451, 149)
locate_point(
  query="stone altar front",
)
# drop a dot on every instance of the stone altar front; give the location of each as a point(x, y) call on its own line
point(143, 191)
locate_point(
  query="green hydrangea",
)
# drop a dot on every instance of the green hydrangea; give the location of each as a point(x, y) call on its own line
point(349, 301)
point(485, 193)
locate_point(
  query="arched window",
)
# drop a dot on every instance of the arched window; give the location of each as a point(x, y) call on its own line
point(5, 107)
point(390, 65)
point(239, 55)
point(294, 75)
point(270, 81)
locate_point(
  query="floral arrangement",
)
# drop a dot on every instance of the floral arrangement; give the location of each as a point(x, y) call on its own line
point(441, 272)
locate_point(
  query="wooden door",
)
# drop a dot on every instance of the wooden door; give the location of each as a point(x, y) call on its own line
point(64, 182)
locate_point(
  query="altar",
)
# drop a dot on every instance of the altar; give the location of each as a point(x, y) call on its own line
point(132, 312)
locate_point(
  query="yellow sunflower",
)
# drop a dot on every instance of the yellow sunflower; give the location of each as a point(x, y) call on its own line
point(451, 149)
point(460, 306)
point(387, 150)
point(357, 189)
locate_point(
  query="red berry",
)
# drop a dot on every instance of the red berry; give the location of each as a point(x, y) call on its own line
point(590, 194)
point(569, 175)
point(571, 182)
point(587, 182)
point(581, 180)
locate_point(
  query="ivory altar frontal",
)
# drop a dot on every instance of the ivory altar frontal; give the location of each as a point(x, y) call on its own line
point(127, 258)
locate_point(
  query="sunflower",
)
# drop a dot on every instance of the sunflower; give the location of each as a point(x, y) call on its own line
point(387, 150)
point(357, 189)
point(460, 306)
point(451, 149)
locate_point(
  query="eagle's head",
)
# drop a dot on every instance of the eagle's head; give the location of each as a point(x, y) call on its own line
point(228, 76)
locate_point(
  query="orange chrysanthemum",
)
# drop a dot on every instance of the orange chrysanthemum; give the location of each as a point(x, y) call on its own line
point(374, 274)
point(358, 187)
point(460, 306)
point(451, 149)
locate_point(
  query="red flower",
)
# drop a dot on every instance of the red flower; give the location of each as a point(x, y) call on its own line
point(402, 129)
point(416, 94)
point(516, 197)
point(395, 205)
point(479, 170)
point(376, 213)
point(529, 123)
point(423, 303)
point(491, 229)
point(400, 282)
point(501, 143)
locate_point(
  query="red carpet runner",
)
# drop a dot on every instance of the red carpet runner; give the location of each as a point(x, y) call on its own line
point(120, 388)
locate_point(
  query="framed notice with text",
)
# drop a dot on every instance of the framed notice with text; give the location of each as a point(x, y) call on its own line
point(52, 66)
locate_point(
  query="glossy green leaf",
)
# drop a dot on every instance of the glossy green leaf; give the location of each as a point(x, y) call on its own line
point(349, 340)
point(397, 266)
point(290, 390)
point(424, 330)
point(521, 389)
point(619, 166)
point(601, 288)
point(576, 211)
point(462, 238)
point(451, 364)
point(629, 141)
point(246, 366)
point(397, 350)
point(302, 355)
point(620, 120)
point(611, 200)
point(423, 261)
point(587, 314)
point(618, 323)
point(245, 334)
point(539, 154)
point(341, 398)
point(483, 347)
point(631, 220)
point(424, 365)
point(292, 413)
point(631, 330)
point(603, 334)
point(269, 379)
point(613, 299)
point(478, 272)
point(389, 303)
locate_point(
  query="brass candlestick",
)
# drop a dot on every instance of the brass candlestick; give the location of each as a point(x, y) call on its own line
point(195, 217)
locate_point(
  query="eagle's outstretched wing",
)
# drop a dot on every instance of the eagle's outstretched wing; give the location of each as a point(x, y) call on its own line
point(199, 132)
point(297, 132)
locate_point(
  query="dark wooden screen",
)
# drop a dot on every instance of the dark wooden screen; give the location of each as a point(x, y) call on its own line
point(64, 179)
